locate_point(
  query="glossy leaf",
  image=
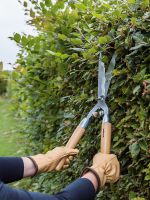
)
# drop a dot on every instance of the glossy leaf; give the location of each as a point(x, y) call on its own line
point(17, 37)
point(134, 149)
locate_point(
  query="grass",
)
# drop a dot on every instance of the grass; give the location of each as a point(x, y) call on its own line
point(10, 139)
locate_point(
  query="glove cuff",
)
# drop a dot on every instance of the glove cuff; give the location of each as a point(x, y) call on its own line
point(89, 169)
point(35, 165)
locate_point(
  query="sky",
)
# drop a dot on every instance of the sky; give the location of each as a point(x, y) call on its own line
point(12, 20)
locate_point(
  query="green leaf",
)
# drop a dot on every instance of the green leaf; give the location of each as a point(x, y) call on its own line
point(132, 195)
point(134, 149)
point(32, 13)
point(134, 20)
point(74, 55)
point(24, 40)
point(17, 37)
point(42, 5)
point(106, 5)
point(138, 46)
point(147, 178)
point(48, 3)
point(77, 49)
point(51, 52)
point(80, 6)
point(145, 3)
point(68, 115)
point(138, 38)
point(147, 172)
point(147, 59)
point(99, 16)
point(62, 56)
point(104, 39)
point(131, 1)
point(25, 4)
point(139, 76)
point(58, 54)
point(76, 41)
point(62, 36)
point(143, 145)
point(136, 89)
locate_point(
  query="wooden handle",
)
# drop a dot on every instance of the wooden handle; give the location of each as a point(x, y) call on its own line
point(106, 137)
point(73, 141)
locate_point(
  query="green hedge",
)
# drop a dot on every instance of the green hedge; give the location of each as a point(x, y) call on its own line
point(3, 82)
point(57, 86)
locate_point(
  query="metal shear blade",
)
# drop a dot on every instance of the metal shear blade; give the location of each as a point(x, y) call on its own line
point(103, 84)
point(101, 78)
point(104, 80)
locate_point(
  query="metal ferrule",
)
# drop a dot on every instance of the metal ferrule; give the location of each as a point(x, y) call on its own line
point(85, 122)
point(106, 118)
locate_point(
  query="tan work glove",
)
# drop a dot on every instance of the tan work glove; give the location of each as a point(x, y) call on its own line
point(106, 167)
point(48, 162)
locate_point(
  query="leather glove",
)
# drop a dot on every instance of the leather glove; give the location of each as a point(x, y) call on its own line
point(48, 162)
point(106, 167)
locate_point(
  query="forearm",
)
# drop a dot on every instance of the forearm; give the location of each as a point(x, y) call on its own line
point(15, 168)
point(11, 169)
point(91, 177)
point(29, 167)
point(81, 189)
point(7, 193)
point(30, 170)
point(76, 190)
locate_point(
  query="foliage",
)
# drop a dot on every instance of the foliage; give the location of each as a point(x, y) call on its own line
point(10, 140)
point(57, 86)
point(3, 82)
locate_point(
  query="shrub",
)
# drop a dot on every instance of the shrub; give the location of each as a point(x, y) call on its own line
point(57, 86)
point(3, 82)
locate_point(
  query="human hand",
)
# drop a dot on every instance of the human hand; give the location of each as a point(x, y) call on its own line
point(106, 168)
point(48, 162)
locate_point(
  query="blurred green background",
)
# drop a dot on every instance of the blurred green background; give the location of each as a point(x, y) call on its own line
point(10, 139)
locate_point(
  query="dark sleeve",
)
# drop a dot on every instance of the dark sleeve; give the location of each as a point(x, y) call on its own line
point(11, 169)
point(81, 189)
point(7, 193)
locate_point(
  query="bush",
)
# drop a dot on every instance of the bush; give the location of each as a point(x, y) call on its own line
point(3, 82)
point(57, 86)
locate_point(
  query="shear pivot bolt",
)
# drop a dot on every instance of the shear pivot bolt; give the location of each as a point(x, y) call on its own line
point(101, 113)
point(95, 114)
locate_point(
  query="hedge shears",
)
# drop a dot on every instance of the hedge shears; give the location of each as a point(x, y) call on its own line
point(104, 80)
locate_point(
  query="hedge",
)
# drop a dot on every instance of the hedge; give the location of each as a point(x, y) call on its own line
point(57, 86)
point(3, 82)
